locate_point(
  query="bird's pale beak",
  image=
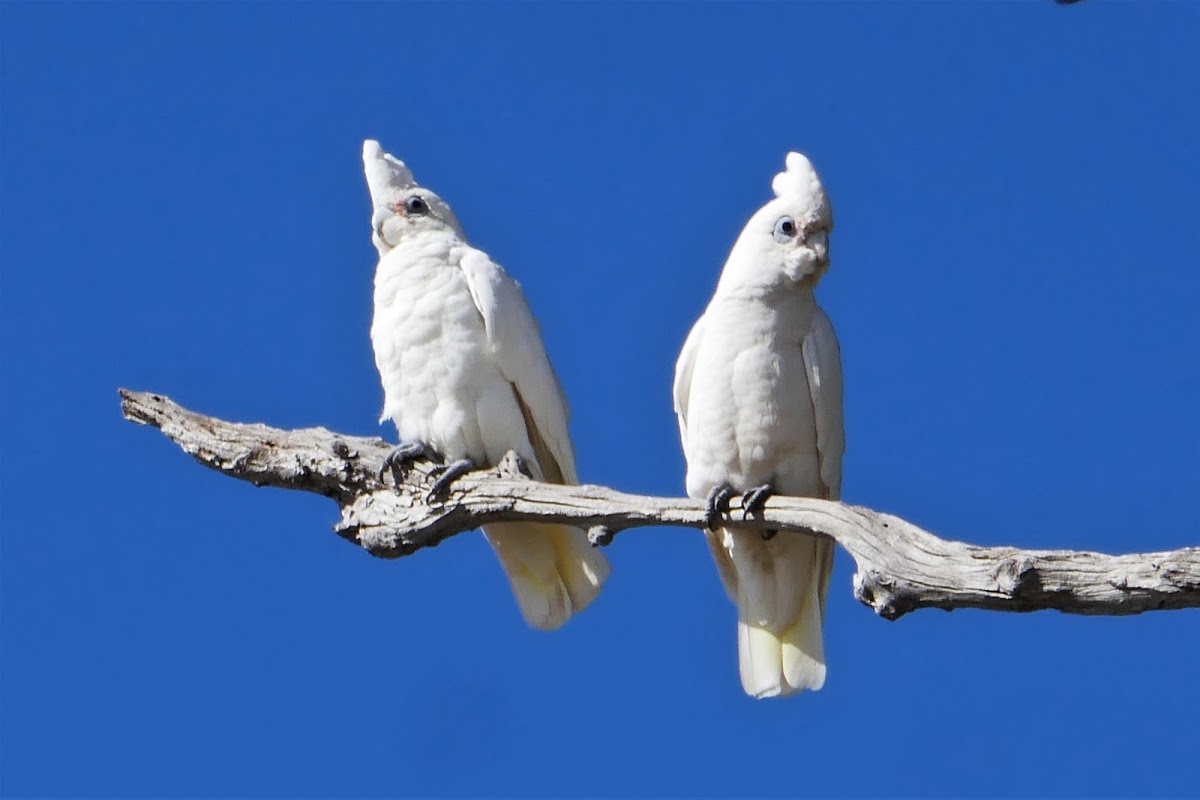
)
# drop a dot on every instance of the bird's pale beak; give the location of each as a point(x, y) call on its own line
point(818, 242)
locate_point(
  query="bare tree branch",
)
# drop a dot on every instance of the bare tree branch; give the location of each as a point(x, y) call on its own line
point(901, 567)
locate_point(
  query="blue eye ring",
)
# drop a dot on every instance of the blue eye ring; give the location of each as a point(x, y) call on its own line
point(785, 229)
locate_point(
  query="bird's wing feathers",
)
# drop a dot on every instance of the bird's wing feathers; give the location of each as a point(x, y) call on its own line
point(553, 570)
point(823, 362)
point(520, 355)
point(684, 367)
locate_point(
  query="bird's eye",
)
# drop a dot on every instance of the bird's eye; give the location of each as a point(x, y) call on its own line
point(415, 205)
point(785, 229)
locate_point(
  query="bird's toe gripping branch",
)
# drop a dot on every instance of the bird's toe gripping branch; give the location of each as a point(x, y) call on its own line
point(753, 503)
point(402, 456)
point(716, 504)
point(446, 475)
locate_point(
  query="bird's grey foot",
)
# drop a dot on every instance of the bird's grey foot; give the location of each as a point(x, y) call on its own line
point(716, 504)
point(448, 474)
point(753, 502)
point(403, 455)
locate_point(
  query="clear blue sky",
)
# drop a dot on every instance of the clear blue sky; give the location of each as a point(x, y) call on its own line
point(1014, 282)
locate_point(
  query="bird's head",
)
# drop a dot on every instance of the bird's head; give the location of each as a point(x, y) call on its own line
point(400, 206)
point(789, 236)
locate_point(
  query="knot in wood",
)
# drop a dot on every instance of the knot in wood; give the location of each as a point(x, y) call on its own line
point(513, 466)
point(1016, 575)
point(601, 535)
point(876, 591)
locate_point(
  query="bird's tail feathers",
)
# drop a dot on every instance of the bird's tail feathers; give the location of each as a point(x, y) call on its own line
point(779, 588)
point(553, 569)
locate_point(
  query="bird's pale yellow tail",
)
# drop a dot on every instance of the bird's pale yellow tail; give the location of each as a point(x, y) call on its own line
point(779, 589)
point(553, 570)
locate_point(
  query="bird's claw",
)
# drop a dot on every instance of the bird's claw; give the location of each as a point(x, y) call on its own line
point(716, 504)
point(753, 502)
point(403, 455)
point(447, 474)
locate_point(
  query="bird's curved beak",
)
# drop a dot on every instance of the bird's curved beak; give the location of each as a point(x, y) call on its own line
point(818, 243)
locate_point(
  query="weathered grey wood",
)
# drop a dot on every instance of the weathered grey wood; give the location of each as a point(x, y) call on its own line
point(901, 567)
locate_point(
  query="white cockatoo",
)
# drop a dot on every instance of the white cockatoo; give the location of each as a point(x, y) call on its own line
point(465, 375)
point(758, 393)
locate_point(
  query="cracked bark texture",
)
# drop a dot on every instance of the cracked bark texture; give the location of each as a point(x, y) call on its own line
point(900, 567)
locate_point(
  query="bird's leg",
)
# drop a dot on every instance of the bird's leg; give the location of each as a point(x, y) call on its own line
point(403, 455)
point(447, 474)
point(753, 502)
point(716, 504)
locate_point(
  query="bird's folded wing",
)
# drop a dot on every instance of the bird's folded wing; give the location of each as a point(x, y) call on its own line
point(823, 362)
point(516, 343)
point(682, 387)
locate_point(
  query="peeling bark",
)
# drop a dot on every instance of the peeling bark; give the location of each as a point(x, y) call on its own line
point(900, 567)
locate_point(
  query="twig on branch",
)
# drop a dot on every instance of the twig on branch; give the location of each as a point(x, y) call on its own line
point(901, 567)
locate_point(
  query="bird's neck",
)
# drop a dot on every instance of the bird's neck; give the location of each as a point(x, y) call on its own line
point(769, 311)
point(776, 290)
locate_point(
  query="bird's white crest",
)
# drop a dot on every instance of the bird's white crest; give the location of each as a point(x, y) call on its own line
point(390, 183)
point(388, 179)
point(801, 186)
point(765, 253)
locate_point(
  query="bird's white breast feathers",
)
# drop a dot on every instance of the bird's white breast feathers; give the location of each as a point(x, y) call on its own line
point(439, 380)
point(745, 413)
point(461, 359)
